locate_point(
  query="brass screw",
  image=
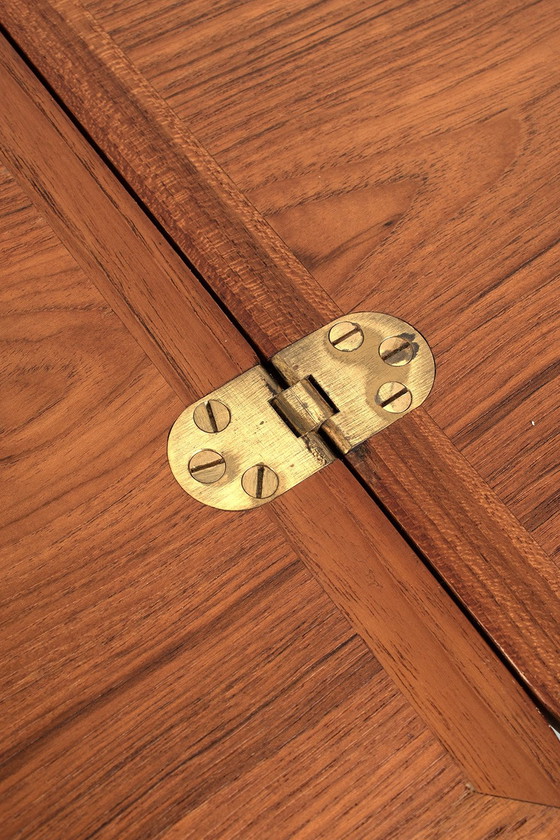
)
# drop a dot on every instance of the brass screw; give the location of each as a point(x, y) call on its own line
point(396, 351)
point(207, 466)
point(346, 336)
point(260, 482)
point(394, 397)
point(212, 416)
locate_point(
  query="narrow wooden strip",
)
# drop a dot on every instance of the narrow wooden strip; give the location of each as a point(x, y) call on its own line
point(461, 689)
point(222, 234)
point(388, 595)
point(168, 311)
point(493, 570)
point(501, 579)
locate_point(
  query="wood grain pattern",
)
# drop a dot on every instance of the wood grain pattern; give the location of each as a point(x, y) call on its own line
point(119, 246)
point(275, 300)
point(153, 649)
point(117, 589)
point(471, 700)
point(396, 609)
point(410, 171)
point(405, 167)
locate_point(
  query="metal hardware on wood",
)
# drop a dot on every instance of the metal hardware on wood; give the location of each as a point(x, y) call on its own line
point(396, 350)
point(325, 394)
point(211, 416)
point(207, 466)
point(394, 396)
point(260, 482)
point(346, 336)
point(302, 407)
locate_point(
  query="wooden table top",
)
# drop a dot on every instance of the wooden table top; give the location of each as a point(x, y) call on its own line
point(170, 670)
point(405, 153)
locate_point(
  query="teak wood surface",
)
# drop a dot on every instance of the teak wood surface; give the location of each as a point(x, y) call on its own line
point(243, 782)
point(230, 701)
point(507, 582)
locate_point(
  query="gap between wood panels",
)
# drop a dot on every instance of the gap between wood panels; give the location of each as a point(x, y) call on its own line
point(265, 362)
point(496, 570)
point(324, 557)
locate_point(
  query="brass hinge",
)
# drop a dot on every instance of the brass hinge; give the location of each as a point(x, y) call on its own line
point(267, 430)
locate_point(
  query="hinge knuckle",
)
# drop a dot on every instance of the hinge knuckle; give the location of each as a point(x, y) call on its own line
point(303, 408)
point(254, 438)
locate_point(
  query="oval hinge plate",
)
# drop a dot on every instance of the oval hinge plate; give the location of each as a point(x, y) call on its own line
point(262, 433)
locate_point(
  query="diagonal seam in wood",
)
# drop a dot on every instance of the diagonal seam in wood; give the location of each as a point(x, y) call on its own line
point(362, 615)
point(495, 569)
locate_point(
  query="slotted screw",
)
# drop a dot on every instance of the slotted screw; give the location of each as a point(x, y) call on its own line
point(394, 397)
point(260, 482)
point(346, 336)
point(207, 466)
point(396, 351)
point(212, 416)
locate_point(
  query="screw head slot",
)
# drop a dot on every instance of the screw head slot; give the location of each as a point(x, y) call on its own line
point(212, 416)
point(394, 397)
point(207, 466)
point(396, 351)
point(346, 336)
point(260, 482)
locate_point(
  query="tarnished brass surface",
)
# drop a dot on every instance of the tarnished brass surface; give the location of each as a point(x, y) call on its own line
point(255, 435)
point(303, 408)
point(254, 438)
point(352, 379)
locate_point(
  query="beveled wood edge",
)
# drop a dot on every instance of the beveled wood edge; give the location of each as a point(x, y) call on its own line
point(465, 694)
point(275, 301)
